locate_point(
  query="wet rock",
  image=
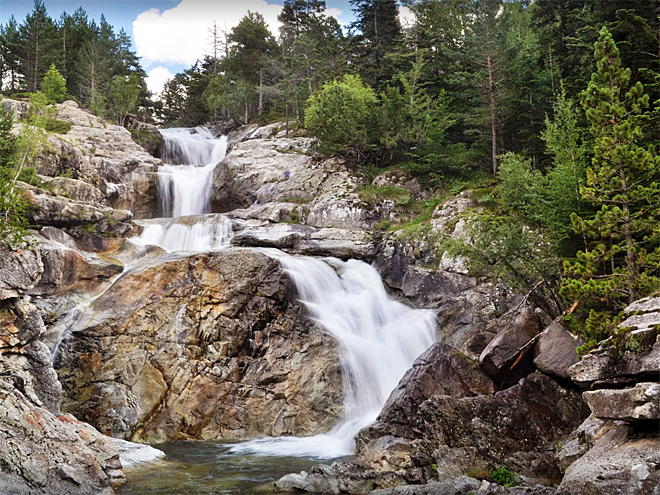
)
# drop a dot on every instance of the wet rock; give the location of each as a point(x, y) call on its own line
point(146, 135)
point(301, 239)
point(42, 453)
point(508, 356)
point(640, 402)
point(440, 371)
point(616, 465)
point(205, 346)
point(67, 268)
point(555, 350)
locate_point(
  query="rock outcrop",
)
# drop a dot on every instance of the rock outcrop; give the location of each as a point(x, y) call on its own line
point(40, 451)
point(617, 450)
point(204, 346)
point(116, 172)
point(267, 171)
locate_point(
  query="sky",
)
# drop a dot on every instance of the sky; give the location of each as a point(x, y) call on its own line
point(168, 35)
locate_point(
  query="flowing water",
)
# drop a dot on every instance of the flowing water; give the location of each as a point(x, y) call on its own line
point(378, 337)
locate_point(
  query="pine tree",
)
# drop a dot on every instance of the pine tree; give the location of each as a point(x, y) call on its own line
point(379, 31)
point(38, 34)
point(622, 257)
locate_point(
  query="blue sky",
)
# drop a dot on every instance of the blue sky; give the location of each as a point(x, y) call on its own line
point(168, 35)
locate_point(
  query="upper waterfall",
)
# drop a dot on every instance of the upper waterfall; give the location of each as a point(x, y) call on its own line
point(185, 189)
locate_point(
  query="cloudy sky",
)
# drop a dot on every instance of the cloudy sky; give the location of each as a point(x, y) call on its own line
point(169, 35)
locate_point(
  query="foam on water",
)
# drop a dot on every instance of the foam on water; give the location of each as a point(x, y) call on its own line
point(194, 233)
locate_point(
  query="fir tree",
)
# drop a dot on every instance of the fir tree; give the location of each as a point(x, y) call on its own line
point(622, 257)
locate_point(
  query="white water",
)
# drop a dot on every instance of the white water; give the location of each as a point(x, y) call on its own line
point(194, 233)
point(77, 317)
point(379, 339)
point(185, 194)
point(186, 189)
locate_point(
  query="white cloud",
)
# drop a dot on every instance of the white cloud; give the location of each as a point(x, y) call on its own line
point(181, 35)
point(406, 17)
point(157, 77)
point(334, 12)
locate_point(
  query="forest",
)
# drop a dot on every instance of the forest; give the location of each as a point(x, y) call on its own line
point(549, 110)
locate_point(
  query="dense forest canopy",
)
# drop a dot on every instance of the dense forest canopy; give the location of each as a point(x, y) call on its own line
point(559, 101)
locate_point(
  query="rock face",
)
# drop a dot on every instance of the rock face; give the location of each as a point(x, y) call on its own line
point(517, 428)
point(556, 350)
point(43, 453)
point(40, 452)
point(206, 346)
point(617, 450)
point(104, 157)
point(260, 171)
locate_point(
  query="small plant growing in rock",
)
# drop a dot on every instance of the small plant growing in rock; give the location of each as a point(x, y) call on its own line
point(502, 476)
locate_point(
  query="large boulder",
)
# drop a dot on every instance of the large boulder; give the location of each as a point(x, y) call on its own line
point(631, 357)
point(440, 371)
point(260, 169)
point(517, 428)
point(556, 350)
point(105, 157)
point(508, 357)
point(205, 346)
point(20, 270)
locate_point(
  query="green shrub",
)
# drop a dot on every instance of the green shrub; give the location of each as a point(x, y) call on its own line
point(341, 115)
point(57, 126)
point(502, 476)
point(53, 85)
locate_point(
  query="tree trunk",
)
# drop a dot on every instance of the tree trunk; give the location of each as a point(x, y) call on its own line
point(493, 116)
point(631, 272)
point(261, 91)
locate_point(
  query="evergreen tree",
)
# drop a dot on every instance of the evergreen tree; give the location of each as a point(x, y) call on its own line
point(37, 34)
point(622, 257)
point(54, 85)
point(10, 54)
point(378, 32)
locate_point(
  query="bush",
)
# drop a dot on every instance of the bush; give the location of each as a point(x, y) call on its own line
point(341, 115)
point(502, 476)
point(57, 126)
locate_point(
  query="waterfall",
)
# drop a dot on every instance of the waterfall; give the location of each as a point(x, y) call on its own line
point(193, 233)
point(184, 190)
point(378, 337)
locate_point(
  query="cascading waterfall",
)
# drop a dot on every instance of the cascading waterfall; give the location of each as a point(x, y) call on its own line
point(379, 339)
point(185, 194)
point(185, 189)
